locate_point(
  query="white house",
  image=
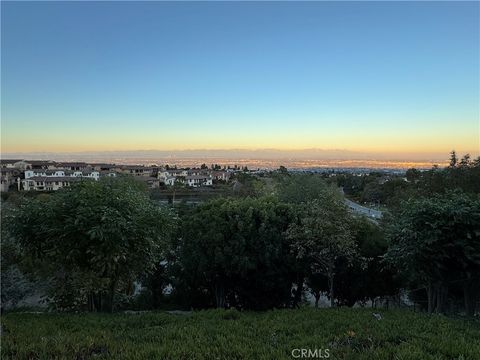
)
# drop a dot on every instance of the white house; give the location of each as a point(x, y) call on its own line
point(198, 180)
point(61, 173)
point(88, 174)
point(45, 183)
point(170, 180)
point(172, 173)
point(43, 172)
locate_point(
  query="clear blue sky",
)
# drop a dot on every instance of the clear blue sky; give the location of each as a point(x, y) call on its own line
point(377, 76)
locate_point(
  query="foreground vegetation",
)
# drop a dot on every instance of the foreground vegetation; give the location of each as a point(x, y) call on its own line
point(229, 334)
point(263, 246)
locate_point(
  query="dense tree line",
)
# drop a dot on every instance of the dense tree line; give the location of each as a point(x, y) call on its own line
point(391, 190)
point(435, 241)
point(265, 245)
point(90, 241)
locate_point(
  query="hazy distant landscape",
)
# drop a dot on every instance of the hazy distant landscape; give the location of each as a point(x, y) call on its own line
point(261, 158)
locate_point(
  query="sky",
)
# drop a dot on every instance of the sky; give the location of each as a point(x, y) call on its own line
point(374, 77)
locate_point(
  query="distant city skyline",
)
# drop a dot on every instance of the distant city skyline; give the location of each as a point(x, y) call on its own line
point(384, 80)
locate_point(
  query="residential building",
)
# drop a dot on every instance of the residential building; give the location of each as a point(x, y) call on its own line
point(45, 183)
point(198, 180)
point(221, 175)
point(62, 173)
point(8, 177)
point(136, 170)
point(9, 163)
point(74, 166)
point(37, 164)
point(104, 167)
point(169, 181)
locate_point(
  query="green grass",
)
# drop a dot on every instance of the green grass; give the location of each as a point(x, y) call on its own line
point(214, 334)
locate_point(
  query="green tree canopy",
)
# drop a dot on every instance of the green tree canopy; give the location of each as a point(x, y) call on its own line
point(322, 234)
point(297, 189)
point(366, 277)
point(92, 237)
point(436, 241)
point(236, 250)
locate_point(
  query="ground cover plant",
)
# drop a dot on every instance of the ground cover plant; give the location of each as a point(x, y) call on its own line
point(229, 334)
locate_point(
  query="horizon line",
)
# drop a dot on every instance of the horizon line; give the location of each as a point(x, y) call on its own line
point(311, 149)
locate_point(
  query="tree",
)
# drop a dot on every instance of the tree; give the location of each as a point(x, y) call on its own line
point(317, 283)
point(94, 237)
point(248, 185)
point(297, 189)
point(435, 240)
point(235, 250)
point(453, 158)
point(476, 162)
point(15, 285)
point(412, 175)
point(372, 193)
point(367, 276)
point(321, 235)
point(465, 161)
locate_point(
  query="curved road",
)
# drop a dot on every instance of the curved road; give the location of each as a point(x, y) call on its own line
point(371, 213)
point(375, 214)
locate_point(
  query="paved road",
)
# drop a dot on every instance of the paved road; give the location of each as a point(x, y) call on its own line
point(375, 214)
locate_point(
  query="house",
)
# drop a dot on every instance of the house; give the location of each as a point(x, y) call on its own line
point(8, 177)
point(42, 172)
point(62, 173)
point(172, 172)
point(197, 172)
point(137, 170)
point(36, 164)
point(104, 167)
point(221, 175)
point(170, 181)
point(45, 183)
point(9, 163)
point(168, 177)
point(74, 166)
point(51, 180)
point(108, 173)
point(86, 174)
point(15, 164)
point(198, 180)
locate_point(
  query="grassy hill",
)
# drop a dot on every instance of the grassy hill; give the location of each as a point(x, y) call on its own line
point(215, 334)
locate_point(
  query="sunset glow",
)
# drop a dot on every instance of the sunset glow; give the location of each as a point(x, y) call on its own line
point(107, 76)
